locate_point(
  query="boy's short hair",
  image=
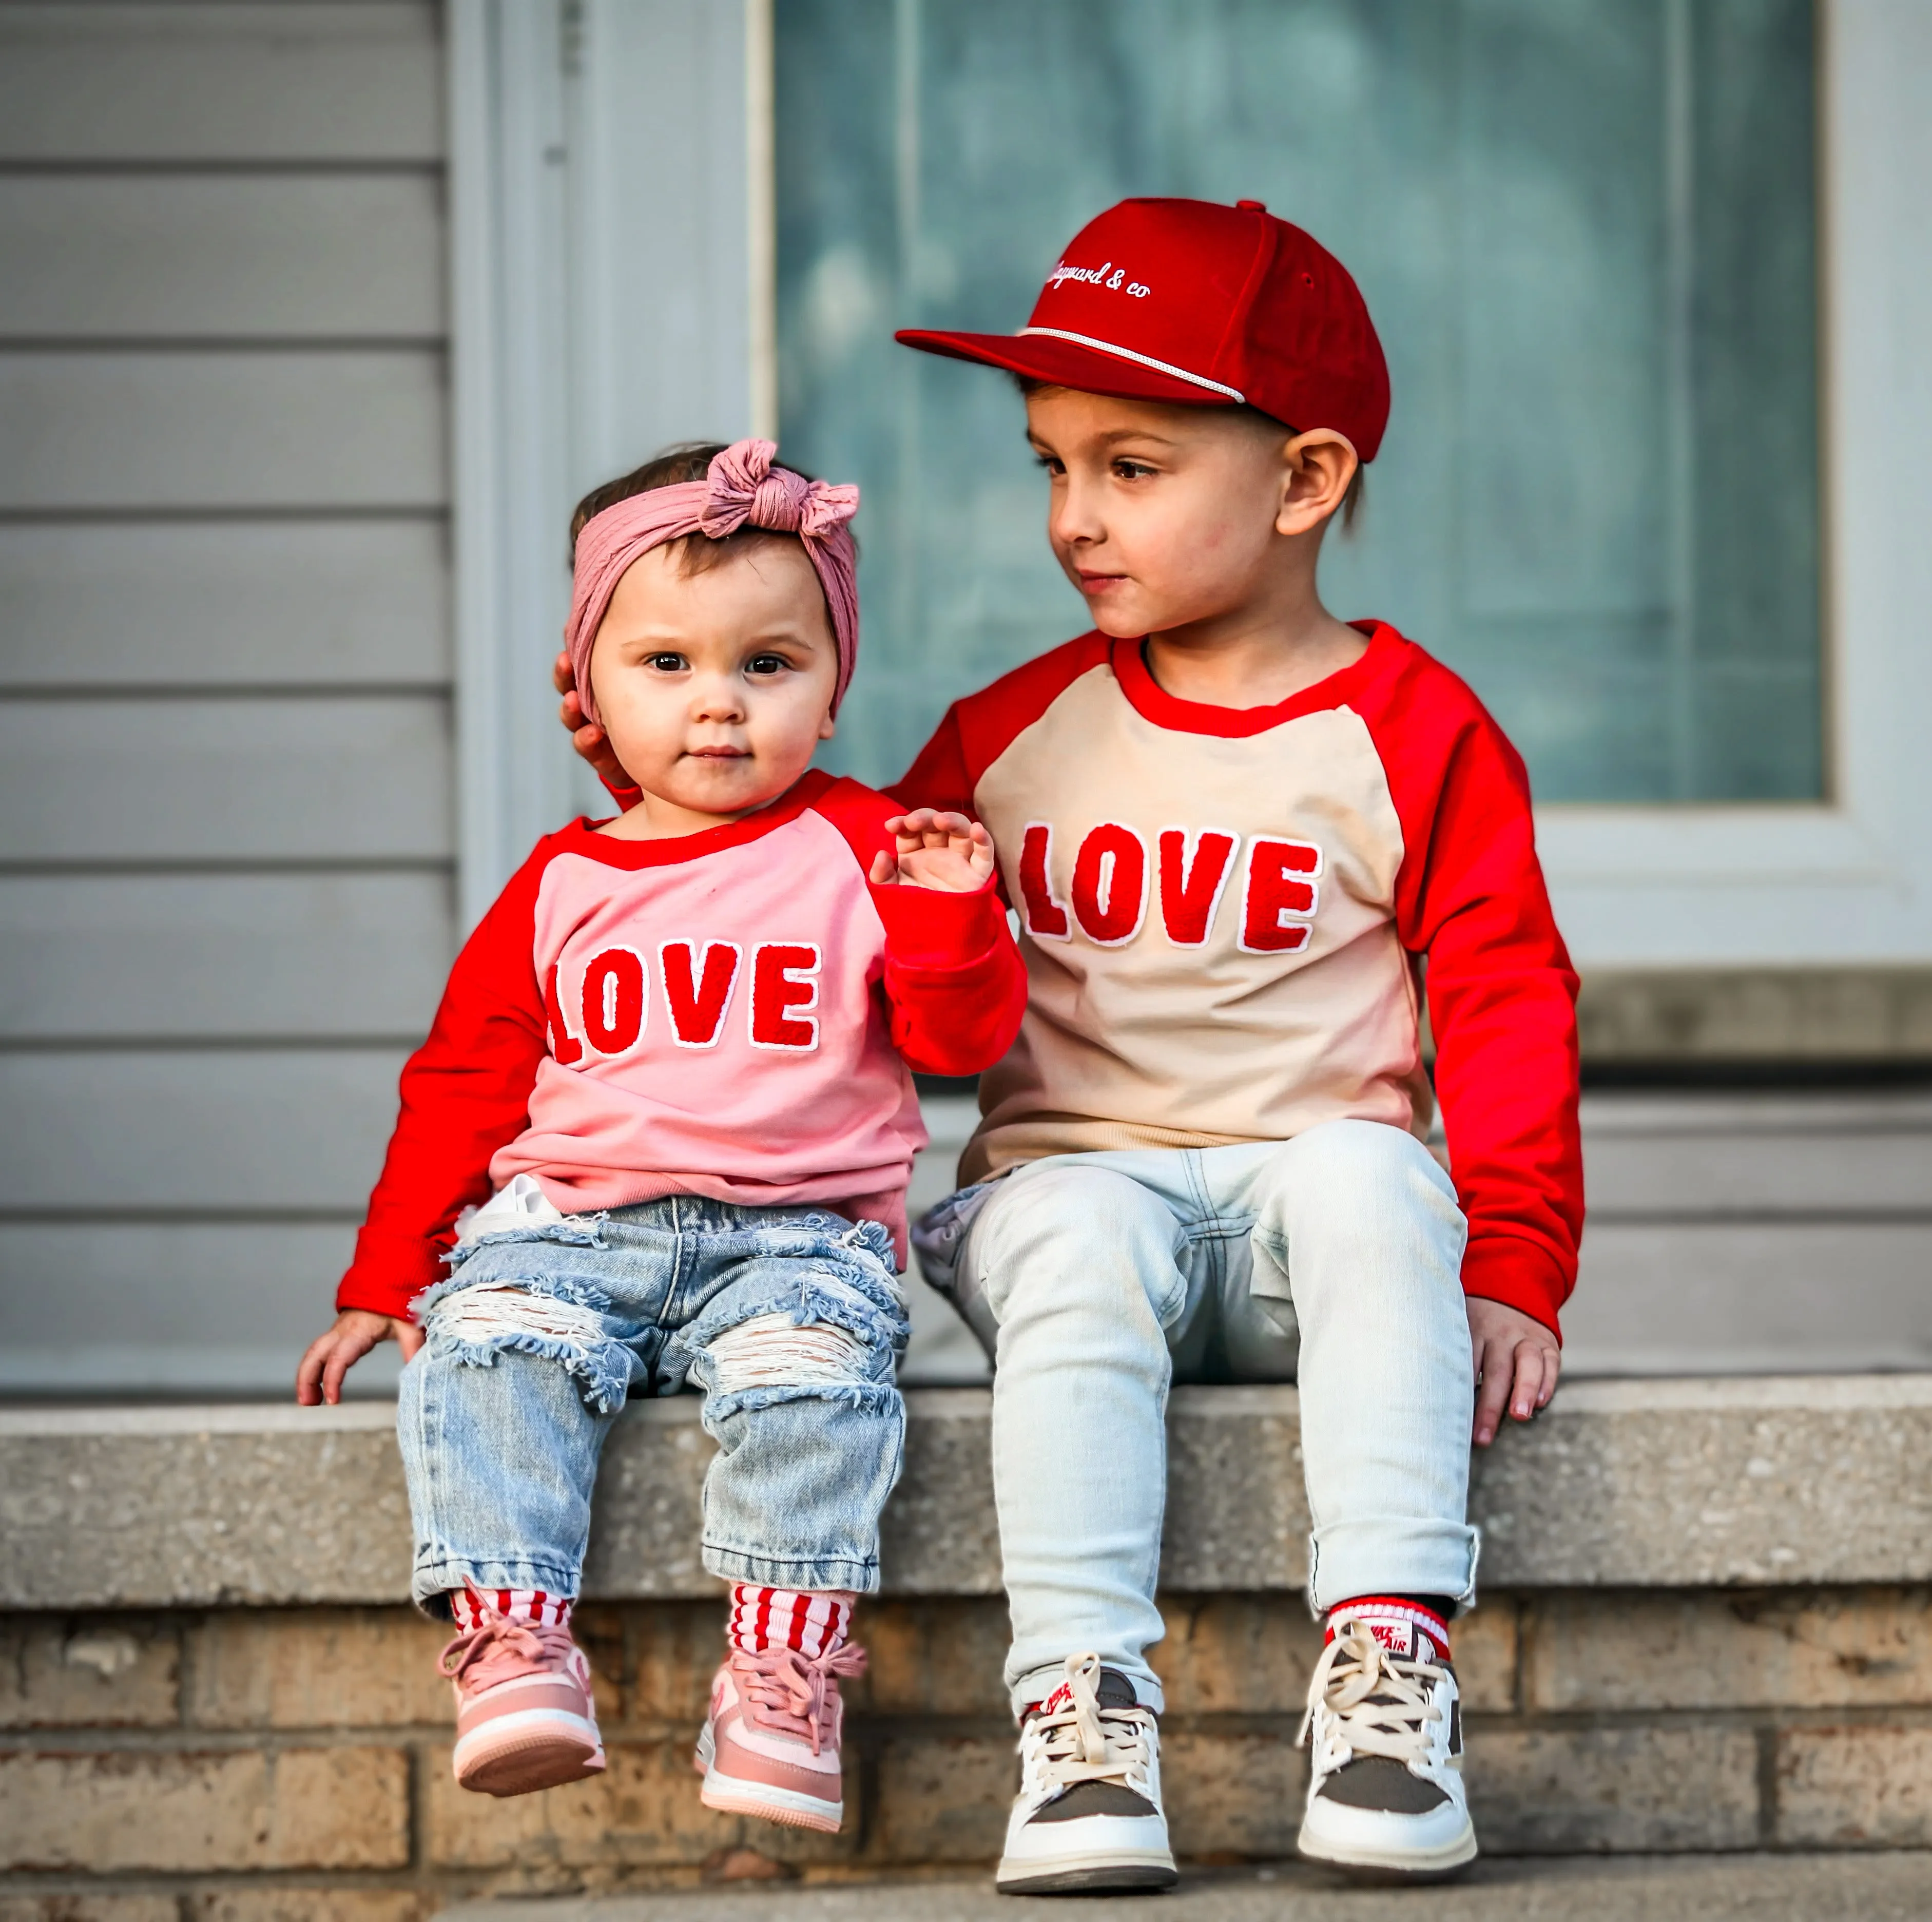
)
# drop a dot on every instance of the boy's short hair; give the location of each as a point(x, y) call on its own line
point(1352, 501)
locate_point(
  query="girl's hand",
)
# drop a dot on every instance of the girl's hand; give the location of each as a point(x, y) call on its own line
point(1517, 1362)
point(589, 739)
point(945, 852)
point(330, 1356)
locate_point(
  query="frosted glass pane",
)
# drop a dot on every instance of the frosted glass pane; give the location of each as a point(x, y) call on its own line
point(1585, 228)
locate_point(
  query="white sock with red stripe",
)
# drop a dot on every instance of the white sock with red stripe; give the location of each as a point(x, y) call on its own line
point(814, 1622)
point(1408, 1630)
point(516, 1605)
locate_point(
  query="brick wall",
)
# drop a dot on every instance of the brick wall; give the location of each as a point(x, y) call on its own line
point(283, 1766)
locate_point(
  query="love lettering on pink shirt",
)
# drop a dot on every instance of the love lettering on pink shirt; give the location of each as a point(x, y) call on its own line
point(1108, 898)
point(697, 983)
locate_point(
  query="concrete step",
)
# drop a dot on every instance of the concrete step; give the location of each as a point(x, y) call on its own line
point(1891, 1887)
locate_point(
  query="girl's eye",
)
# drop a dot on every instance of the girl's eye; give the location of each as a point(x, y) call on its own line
point(667, 663)
point(1047, 461)
point(1132, 469)
point(765, 664)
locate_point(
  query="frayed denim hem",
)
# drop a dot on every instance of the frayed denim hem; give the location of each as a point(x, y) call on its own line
point(772, 1572)
point(502, 1318)
point(865, 1397)
point(879, 1328)
point(560, 1288)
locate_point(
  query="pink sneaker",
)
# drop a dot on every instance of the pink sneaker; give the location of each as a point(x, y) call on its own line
point(771, 1746)
point(524, 1717)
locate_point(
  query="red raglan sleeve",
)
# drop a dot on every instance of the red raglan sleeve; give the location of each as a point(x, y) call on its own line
point(954, 983)
point(466, 1093)
point(1501, 993)
point(955, 986)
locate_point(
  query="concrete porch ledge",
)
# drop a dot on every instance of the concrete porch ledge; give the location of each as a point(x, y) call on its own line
point(1693, 1483)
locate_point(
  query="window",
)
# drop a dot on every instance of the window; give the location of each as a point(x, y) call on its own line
point(1586, 229)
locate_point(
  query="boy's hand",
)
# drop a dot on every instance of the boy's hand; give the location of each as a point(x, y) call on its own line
point(1517, 1362)
point(330, 1356)
point(946, 851)
point(589, 739)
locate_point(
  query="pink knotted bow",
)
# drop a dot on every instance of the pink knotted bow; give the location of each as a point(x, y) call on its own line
point(742, 487)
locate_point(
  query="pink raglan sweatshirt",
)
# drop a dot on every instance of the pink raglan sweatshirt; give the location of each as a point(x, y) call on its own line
point(734, 1014)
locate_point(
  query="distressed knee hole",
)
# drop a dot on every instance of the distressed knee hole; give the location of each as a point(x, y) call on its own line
point(491, 1313)
point(770, 1351)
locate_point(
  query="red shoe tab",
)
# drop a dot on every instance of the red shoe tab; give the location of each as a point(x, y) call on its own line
point(1409, 1633)
point(1061, 1698)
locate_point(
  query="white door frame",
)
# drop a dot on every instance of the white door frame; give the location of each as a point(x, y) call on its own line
point(612, 235)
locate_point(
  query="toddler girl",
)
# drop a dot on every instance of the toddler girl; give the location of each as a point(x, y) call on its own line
point(676, 1049)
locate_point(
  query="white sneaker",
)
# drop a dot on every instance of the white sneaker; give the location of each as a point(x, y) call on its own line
point(1385, 1795)
point(1088, 1816)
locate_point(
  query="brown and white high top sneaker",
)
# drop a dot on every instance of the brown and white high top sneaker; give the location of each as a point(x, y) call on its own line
point(1088, 1816)
point(1385, 1720)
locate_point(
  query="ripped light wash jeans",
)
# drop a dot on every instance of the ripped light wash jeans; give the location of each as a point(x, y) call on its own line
point(1093, 1280)
point(790, 1319)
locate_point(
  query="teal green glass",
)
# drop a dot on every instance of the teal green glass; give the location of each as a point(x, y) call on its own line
point(1586, 230)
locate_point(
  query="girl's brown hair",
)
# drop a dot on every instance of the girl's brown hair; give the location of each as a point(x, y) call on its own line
point(689, 461)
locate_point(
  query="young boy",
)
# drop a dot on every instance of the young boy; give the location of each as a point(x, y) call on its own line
point(1240, 836)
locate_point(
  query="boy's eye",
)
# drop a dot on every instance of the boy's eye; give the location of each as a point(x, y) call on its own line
point(1052, 466)
point(1132, 469)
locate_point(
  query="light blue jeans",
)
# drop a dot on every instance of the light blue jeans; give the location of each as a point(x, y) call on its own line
point(1093, 1280)
point(790, 1319)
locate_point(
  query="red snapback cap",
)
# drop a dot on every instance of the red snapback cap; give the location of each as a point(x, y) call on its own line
point(1190, 301)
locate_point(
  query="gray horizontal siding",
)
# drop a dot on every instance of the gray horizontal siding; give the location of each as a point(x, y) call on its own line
point(321, 777)
point(225, 845)
point(226, 429)
point(71, 1320)
point(98, 960)
point(243, 84)
point(223, 603)
point(192, 1132)
point(1771, 1296)
point(204, 255)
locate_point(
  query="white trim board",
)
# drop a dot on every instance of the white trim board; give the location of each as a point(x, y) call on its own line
point(602, 268)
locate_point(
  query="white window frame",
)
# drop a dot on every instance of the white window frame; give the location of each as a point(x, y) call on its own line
point(669, 223)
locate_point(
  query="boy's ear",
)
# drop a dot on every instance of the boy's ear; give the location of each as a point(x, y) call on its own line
point(1319, 465)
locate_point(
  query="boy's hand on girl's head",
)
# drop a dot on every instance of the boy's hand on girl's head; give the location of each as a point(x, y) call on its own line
point(1517, 1362)
point(589, 739)
point(944, 851)
point(329, 1357)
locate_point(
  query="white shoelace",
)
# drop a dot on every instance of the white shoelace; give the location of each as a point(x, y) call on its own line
point(1380, 1705)
point(1084, 1742)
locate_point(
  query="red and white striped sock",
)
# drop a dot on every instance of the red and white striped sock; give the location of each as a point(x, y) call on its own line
point(515, 1604)
point(1408, 1631)
point(813, 1622)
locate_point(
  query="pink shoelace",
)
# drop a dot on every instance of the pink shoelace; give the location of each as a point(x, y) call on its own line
point(788, 1691)
point(498, 1649)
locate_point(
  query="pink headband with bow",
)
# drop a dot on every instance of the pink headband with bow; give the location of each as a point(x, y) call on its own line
point(741, 488)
